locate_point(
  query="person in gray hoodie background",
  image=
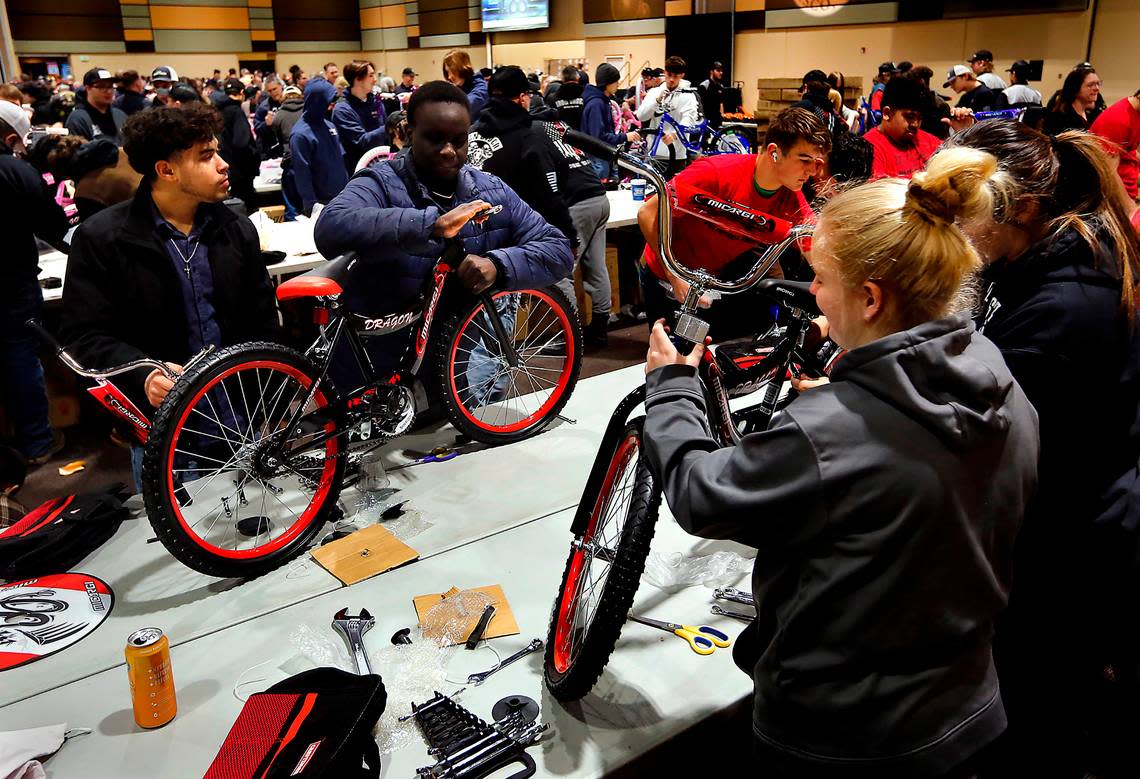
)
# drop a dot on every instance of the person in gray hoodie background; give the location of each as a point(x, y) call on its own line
point(884, 503)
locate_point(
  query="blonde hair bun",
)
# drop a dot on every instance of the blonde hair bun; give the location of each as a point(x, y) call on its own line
point(956, 184)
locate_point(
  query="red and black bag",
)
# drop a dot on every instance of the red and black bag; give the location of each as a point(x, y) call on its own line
point(316, 723)
point(60, 532)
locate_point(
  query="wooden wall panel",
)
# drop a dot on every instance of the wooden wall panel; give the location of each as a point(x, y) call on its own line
point(83, 20)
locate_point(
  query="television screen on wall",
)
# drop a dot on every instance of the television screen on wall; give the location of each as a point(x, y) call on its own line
point(515, 14)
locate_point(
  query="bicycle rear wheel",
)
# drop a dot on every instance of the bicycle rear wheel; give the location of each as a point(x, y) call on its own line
point(603, 570)
point(229, 489)
point(486, 397)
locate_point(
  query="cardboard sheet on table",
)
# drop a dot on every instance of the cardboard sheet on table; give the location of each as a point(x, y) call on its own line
point(363, 554)
point(503, 623)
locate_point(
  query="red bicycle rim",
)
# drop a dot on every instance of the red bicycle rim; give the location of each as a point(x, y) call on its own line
point(331, 448)
point(560, 385)
point(568, 605)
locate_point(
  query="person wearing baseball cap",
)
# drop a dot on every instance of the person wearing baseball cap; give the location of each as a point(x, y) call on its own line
point(407, 82)
point(237, 146)
point(982, 63)
point(974, 94)
point(162, 79)
point(887, 71)
point(711, 92)
point(1019, 94)
point(29, 211)
point(94, 115)
point(506, 141)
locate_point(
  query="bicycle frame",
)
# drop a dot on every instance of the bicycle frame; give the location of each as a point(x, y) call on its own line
point(337, 325)
point(691, 328)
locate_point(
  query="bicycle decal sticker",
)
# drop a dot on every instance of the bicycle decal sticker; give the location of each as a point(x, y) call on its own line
point(40, 617)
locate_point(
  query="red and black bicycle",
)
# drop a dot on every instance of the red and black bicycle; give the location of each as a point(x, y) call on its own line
point(616, 517)
point(245, 457)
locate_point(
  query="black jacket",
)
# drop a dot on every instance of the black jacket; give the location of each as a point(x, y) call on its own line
point(1055, 314)
point(884, 506)
point(122, 300)
point(27, 209)
point(236, 143)
point(507, 142)
point(980, 99)
point(131, 102)
point(569, 102)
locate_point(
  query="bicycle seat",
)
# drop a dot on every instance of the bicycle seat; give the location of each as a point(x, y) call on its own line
point(793, 294)
point(322, 281)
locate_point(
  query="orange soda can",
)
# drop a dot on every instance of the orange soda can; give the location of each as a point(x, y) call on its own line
point(152, 683)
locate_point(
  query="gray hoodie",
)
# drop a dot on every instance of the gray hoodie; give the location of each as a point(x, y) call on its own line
point(885, 507)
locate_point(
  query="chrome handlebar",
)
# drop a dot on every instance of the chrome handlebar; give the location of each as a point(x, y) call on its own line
point(92, 373)
point(697, 277)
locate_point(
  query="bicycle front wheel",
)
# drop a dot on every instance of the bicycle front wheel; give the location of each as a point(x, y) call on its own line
point(486, 396)
point(730, 142)
point(603, 571)
point(230, 487)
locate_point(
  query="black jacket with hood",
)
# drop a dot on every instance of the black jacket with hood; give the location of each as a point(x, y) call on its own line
point(569, 102)
point(884, 506)
point(236, 143)
point(1056, 315)
point(507, 142)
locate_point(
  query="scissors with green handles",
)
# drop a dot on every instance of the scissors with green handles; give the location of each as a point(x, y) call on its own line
point(702, 639)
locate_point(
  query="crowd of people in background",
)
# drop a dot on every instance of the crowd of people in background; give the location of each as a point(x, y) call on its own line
point(156, 155)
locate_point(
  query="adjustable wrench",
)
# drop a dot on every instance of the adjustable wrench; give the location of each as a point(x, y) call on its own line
point(353, 630)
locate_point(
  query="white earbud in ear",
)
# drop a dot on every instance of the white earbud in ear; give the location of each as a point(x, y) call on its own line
point(774, 159)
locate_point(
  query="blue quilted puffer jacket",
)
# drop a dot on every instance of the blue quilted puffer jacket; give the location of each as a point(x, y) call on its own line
point(386, 215)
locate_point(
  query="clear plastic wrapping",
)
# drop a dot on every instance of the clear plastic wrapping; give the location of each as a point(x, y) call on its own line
point(675, 571)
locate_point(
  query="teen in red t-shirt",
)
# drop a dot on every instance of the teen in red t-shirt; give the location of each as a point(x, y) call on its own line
point(1120, 124)
point(771, 182)
point(901, 148)
point(696, 243)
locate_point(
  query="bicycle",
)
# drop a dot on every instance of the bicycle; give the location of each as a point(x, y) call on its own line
point(244, 460)
point(614, 523)
point(699, 139)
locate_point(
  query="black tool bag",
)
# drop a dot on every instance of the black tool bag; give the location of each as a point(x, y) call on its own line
point(60, 532)
point(317, 723)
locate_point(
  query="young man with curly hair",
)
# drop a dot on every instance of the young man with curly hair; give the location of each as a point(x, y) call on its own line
point(172, 270)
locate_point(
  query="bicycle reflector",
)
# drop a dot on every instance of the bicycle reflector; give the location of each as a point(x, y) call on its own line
point(733, 219)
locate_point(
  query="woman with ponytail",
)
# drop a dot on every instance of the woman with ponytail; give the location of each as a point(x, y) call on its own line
point(1062, 263)
point(884, 503)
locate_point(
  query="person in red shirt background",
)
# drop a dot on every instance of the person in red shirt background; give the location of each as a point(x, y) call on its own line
point(771, 182)
point(901, 146)
point(1120, 124)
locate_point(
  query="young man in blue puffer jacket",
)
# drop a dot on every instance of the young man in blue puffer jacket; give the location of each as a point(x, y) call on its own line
point(398, 216)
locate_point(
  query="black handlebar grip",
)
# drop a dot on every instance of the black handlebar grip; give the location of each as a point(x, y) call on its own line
point(591, 145)
point(42, 333)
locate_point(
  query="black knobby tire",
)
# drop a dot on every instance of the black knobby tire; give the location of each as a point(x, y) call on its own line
point(496, 408)
point(185, 445)
point(578, 646)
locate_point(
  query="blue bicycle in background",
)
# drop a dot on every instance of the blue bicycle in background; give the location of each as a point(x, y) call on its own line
point(699, 140)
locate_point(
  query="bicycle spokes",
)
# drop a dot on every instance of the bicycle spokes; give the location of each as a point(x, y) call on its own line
point(249, 459)
point(586, 581)
point(496, 394)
